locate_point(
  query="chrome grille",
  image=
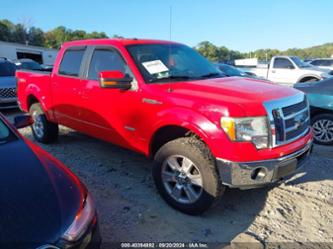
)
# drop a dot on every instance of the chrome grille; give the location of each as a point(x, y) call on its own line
point(289, 118)
point(7, 93)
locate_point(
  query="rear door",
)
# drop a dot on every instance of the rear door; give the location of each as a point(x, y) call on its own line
point(66, 87)
point(283, 71)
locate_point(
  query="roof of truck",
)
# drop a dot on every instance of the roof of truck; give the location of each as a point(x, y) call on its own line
point(115, 41)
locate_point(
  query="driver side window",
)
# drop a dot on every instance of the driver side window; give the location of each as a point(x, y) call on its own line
point(106, 60)
point(283, 63)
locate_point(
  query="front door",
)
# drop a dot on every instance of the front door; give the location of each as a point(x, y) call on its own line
point(109, 114)
point(283, 71)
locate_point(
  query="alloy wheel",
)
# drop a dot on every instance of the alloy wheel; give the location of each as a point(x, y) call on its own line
point(323, 130)
point(38, 125)
point(182, 179)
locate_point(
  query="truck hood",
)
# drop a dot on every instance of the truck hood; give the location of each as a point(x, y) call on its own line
point(242, 93)
point(316, 70)
point(38, 198)
point(8, 82)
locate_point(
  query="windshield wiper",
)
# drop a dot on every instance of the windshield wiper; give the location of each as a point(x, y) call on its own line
point(171, 77)
point(212, 75)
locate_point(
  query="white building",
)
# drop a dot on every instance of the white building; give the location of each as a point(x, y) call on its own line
point(249, 62)
point(13, 51)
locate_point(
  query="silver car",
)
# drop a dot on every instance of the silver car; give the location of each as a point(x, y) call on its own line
point(8, 97)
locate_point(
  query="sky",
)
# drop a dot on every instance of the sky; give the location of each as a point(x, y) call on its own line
point(243, 25)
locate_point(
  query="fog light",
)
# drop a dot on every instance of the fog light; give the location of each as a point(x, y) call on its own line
point(258, 174)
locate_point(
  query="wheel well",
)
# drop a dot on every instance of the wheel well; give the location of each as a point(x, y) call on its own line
point(308, 78)
point(314, 111)
point(31, 100)
point(167, 134)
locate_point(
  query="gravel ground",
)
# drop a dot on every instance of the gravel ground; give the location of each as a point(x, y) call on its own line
point(130, 208)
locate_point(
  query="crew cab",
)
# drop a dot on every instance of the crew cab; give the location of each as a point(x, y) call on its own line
point(289, 70)
point(205, 131)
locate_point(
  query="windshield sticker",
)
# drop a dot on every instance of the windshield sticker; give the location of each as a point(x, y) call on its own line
point(154, 67)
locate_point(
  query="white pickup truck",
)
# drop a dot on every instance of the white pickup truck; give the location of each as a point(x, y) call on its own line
point(288, 70)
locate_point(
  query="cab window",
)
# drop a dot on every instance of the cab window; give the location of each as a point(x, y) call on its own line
point(283, 63)
point(71, 62)
point(106, 60)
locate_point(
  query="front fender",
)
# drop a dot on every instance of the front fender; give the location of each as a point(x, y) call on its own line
point(209, 131)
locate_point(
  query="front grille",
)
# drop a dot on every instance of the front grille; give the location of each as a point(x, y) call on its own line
point(289, 118)
point(7, 93)
point(294, 108)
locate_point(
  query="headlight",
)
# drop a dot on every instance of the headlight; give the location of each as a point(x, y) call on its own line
point(252, 129)
point(82, 221)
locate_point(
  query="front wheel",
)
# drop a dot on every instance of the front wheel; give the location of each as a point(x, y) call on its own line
point(43, 130)
point(322, 126)
point(186, 176)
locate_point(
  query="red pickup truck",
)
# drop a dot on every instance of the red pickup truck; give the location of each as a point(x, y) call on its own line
point(204, 131)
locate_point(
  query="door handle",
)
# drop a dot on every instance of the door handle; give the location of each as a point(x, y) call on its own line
point(273, 71)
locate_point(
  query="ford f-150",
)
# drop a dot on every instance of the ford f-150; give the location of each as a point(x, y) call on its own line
point(204, 131)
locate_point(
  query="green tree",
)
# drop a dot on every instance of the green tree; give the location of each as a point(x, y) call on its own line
point(36, 36)
point(209, 50)
point(6, 29)
point(20, 34)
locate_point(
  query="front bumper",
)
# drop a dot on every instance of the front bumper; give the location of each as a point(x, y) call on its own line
point(247, 175)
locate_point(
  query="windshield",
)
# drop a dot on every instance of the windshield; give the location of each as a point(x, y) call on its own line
point(230, 70)
point(171, 62)
point(7, 69)
point(299, 62)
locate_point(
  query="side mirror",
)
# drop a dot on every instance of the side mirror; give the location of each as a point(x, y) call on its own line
point(23, 121)
point(115, 79)
point(291, 67)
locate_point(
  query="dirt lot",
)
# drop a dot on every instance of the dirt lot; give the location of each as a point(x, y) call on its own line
point(130, 209)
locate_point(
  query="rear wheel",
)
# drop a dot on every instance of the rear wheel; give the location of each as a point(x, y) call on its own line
point(186, 176)
point(322, 125)
point(43, 130)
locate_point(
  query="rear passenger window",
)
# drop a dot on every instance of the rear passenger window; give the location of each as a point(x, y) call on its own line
point(106, 60)
point(71, 62)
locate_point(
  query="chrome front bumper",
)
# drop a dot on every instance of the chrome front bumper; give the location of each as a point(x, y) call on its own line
point(247, 175)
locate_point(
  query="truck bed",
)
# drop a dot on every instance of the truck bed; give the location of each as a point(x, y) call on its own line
point(28, 81)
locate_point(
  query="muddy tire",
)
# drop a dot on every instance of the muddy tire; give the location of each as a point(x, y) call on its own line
point(185, 175)
point(43, 130)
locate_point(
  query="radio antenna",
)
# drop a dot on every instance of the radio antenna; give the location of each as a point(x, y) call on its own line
point(170, 20)
point(170, 32)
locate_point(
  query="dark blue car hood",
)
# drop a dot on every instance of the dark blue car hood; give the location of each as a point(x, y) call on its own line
point(38, 199)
